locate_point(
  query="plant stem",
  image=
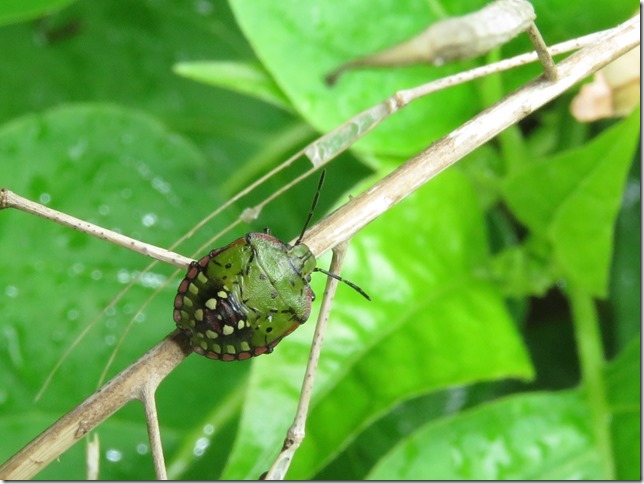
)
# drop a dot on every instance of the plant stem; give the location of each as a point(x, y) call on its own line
point(591, 360)
point(296, 432)
point(130, 384)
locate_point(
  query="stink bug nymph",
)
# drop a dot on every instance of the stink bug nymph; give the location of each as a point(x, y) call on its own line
point(239, 301)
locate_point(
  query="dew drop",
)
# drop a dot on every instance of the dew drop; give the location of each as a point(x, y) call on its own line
point(76, 151)
point(203, 7)
point(142, 448)
point(201, 445)
point(113, 455)
point(149, 219)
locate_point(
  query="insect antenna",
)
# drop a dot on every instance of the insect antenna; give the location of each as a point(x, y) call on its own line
point(313, 205)
point(306, 224)
point(341, 279)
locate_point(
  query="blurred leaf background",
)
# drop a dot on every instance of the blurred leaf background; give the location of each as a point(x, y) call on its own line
point(144, 116)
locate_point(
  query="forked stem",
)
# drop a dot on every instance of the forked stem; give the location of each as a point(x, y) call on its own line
point(131, 384)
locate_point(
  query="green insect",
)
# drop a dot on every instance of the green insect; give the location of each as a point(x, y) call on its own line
point(239, 301)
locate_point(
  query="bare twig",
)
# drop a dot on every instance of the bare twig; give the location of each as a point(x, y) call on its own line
point(92, 457)
point(340, 225)
point(8, 199)
point(295, 434)
point(549, 67)
point(154, 433)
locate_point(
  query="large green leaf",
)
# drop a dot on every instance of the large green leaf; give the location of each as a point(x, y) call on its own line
point(431, 325)
point(123, 52)
point(125, 171)
point(525, 437)
point(520, 438)
point(572, 200)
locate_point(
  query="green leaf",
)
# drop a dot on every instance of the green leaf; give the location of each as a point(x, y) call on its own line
point(141, 40)
point(327, 34)
point(125, 171)
point(527, 437)
point(572, 199)
point(242, 77)
point(532, 436)
point(12, 11)
point(431, 325)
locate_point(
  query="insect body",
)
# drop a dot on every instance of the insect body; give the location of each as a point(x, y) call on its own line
point(241, 300)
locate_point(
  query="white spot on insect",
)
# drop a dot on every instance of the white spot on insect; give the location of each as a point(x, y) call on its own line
point(244, 345)
point(187, 301)
point(211, 334)
point(227, 330)
point(222, 294)
point(216, 348)
point(193, 289)
point(203, 344)
point(199, 315)
point(211, 303)
point(202, 278)
point(241, 324)
point(230, 349)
